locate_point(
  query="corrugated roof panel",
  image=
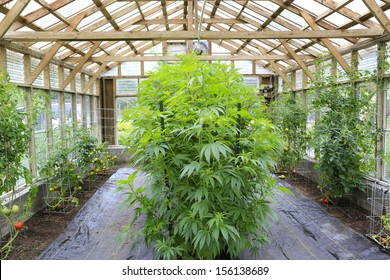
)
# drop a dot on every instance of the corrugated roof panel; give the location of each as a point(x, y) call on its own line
point(358, 7)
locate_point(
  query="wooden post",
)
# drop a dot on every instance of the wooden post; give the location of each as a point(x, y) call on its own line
point(381, 111)
point(3, 57)
point(49, 123)
point(32, 150)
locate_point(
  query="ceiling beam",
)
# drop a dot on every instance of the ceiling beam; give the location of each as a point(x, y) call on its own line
point(80, 65)
point(379, 14)
point(203, 57)
point(297, 59)
point(39, 13)
point(50, 54)
point(332, 49)
point(12, 16)
point(188, 35)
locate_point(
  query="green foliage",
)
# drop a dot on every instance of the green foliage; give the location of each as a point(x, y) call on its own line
point(344, 137)
point(79, 155)
point(15, 137)
point(289, 115)
point(201, 136)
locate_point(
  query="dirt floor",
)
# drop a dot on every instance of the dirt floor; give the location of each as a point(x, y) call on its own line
point(43, 228)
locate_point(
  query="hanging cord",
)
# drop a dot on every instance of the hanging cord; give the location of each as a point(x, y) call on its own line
point(200, 23)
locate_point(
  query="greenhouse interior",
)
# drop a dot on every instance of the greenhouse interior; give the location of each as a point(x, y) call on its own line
point(195, 130)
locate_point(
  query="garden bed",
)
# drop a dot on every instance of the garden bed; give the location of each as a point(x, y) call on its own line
point(44, 227)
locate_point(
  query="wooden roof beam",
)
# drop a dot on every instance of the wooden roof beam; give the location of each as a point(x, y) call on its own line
point(165, 14)
point(297, 59)
point(309, 19)
point(40, 13)
point(353, 15)
point(121, 58)
point(379, 14)
point(188, 35)
point(213, 12)
point(51, 53)
point(12, 16)
point(80, 65)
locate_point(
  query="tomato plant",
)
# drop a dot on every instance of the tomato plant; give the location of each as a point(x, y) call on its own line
point(344, 136)
point(202, 137)
point(15, 135)
point(289, 115)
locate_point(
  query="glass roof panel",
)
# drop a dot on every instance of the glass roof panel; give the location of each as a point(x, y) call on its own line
point(358, 7)
point(92, 19)
point(46, 21)
point(291, 17)
point(267, 5)
point(311, 6)
point(114, 7)
point(31, 7)
point(337, 19)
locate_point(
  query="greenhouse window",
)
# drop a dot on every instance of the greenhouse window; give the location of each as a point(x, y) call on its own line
point(54, 79)
point(39, 81)
point(14, 66)
point(126, 86)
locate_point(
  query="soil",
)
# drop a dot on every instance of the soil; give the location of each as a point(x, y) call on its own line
point(43, 228)
point(344, 210)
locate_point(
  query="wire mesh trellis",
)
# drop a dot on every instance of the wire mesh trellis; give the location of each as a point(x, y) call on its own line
point(379, 199)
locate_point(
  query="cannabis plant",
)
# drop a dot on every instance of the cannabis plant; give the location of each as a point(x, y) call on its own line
point(201, 137)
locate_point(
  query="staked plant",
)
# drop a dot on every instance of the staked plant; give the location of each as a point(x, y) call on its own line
point(202, 138)
point(289, 115)
point(15, 134)
point(344, 136)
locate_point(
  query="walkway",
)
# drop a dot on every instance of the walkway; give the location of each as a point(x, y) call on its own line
point(304, 231)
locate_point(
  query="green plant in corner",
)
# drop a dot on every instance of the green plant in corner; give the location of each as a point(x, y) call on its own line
point(202, 138)
point(14, 143)
point(344, 137)
point(289, 115)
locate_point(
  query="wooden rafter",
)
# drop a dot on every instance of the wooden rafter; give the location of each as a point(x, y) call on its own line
point(165, 14)
point(332, 49)
point(175, 58)
point(109, 18)
point(379, 14)
point(39, 13)
point(187, 35)
point(213, 12)
point(50, 54)
point(271, 18)
point(297, 59)
point(79, 65)
point(12, 16)
point(353, 15)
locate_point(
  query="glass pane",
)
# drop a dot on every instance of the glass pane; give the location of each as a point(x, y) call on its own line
point(68, 108)
point(88, 109)
point(79, 109)
point(126, 86)
point(122, 104)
